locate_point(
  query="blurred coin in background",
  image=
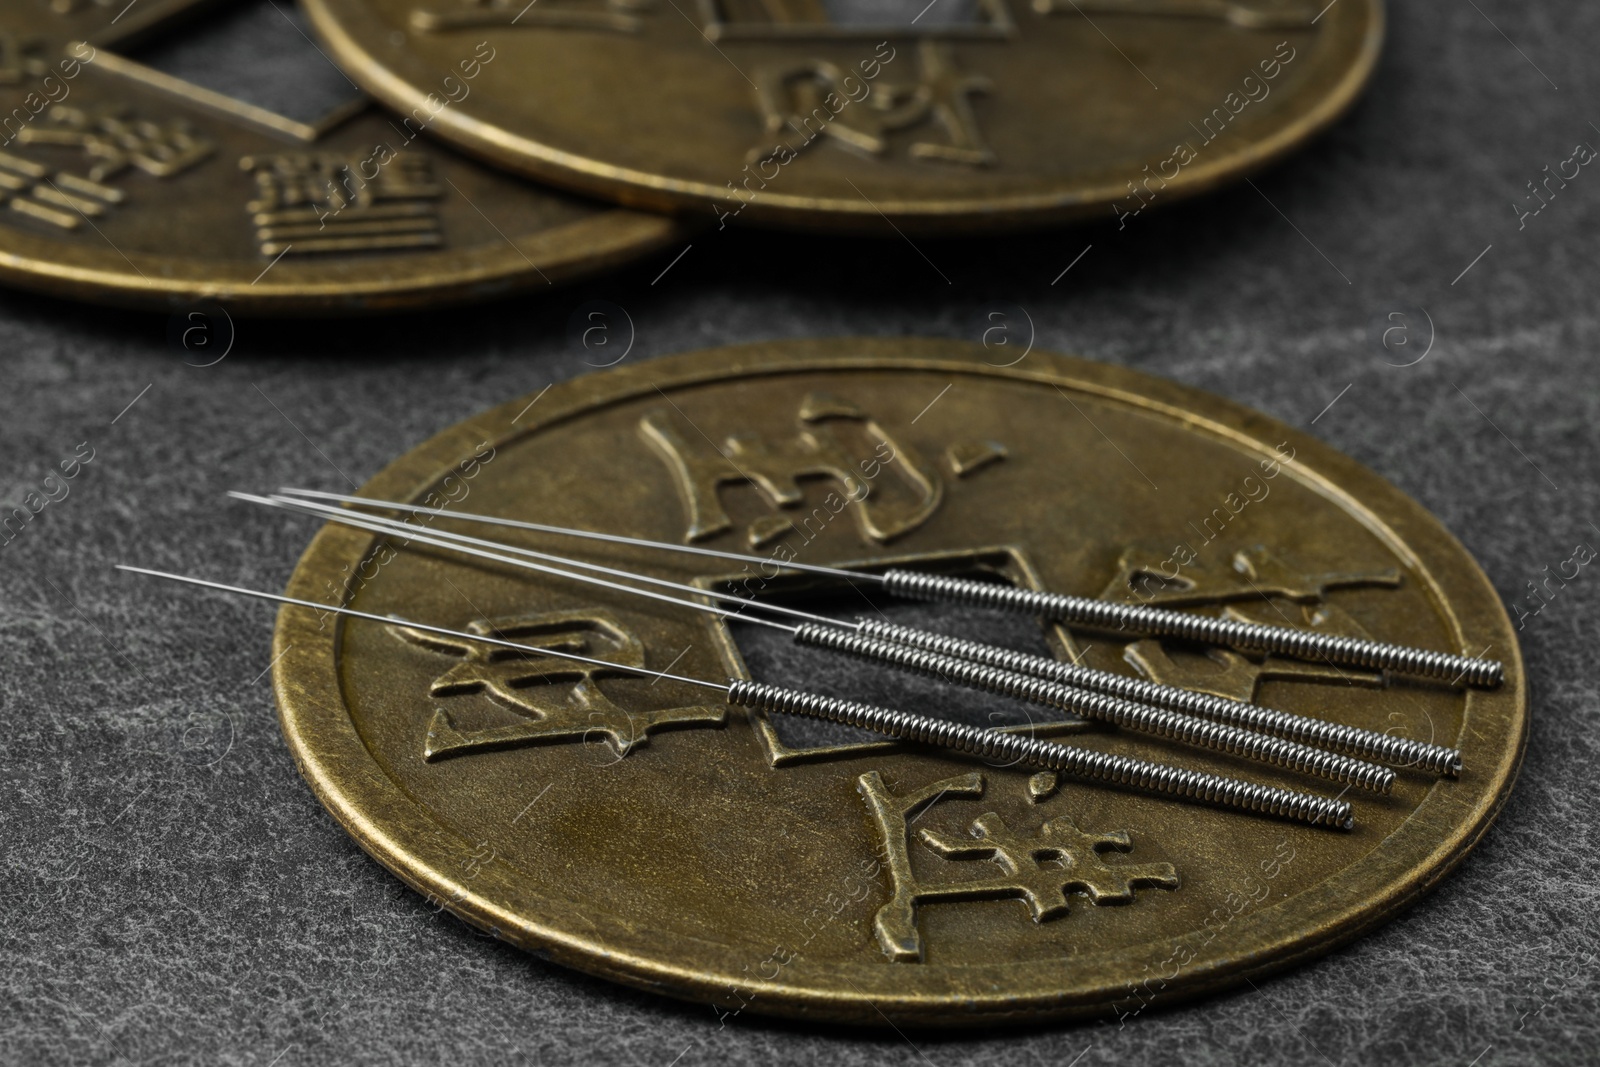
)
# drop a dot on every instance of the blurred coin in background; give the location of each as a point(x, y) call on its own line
point(945, 115)
point(147, 157)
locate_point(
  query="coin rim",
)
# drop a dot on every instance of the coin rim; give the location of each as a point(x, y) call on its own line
point(656, 192)
point(573, 250)
point(423, 853)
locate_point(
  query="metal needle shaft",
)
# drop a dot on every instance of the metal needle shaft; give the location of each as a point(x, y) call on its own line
point(377, 523)
point(592, 535)
point(396, 620)
point(469, 546)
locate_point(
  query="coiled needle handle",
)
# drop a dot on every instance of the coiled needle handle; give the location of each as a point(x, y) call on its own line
point(1159, 622)
point(1141, 718)
point(1082, 763)
point(1305, 729)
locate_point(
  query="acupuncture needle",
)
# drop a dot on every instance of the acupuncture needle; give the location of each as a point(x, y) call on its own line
point(1160, 778)
point(820, 632)
point(1060, 607)
point(1307, 730)
point(981, 666)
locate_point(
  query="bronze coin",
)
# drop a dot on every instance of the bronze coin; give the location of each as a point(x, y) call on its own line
point(644, 831)
point(803, 113)
point(122, 184)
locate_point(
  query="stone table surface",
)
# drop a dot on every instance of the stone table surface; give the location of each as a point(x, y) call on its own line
point(174, 894)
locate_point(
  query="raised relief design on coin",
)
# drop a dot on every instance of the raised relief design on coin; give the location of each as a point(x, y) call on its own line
point(1038, 867)
point(969, 457)
point(107, 141)
point(563, 700)
point(969, 115)
point(319, 202)
point(22, 57)
point(834, 439)
point(793, 96)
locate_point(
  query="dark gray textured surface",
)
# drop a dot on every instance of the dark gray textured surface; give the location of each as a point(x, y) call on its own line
point(259, 52)
point(173, 893)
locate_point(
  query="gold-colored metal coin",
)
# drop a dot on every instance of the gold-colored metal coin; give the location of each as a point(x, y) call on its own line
point(123, 184)
point(970, 115)
point(643, 831)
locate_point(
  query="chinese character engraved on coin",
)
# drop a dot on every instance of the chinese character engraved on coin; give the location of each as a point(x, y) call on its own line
point(803, 102)
point(529, 684)
point(1038, 867)
point(20, 58)
point(115, 140)
point(311, 202)
point(835, 440)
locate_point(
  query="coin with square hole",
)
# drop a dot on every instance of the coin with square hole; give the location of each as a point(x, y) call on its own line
point(622, 816)
point(152, 158)
point(867, 116)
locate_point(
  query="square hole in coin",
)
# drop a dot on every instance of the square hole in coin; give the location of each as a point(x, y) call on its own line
point(258, 52)
point(773, 657)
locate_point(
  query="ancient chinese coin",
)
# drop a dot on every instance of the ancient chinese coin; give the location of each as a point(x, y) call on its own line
point(972, 115)
point(123, 184)
point(642, 830)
